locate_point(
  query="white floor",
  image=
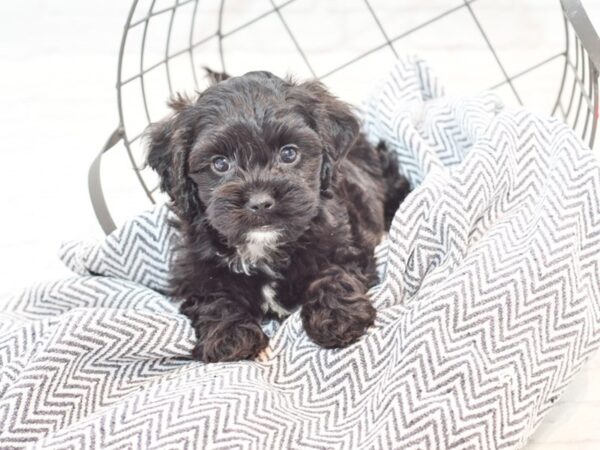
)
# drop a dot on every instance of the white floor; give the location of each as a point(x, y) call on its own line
point(58, 105)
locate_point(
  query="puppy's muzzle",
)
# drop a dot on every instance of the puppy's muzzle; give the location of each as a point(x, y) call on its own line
point(259, 202)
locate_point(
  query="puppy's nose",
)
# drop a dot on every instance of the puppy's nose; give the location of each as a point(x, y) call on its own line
point(260, 201)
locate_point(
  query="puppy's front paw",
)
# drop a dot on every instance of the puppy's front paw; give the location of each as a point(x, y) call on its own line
point(237, 341)
point(338, 311)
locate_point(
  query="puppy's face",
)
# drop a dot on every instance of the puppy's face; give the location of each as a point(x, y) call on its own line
point(253, 153)
point(256, 165)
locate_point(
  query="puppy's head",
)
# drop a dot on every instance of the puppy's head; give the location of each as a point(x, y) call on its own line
point(252, 155)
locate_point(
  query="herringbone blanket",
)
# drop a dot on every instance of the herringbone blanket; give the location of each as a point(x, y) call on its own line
point(489, 303)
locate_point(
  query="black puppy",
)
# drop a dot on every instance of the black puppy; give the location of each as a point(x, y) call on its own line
point(280, 202)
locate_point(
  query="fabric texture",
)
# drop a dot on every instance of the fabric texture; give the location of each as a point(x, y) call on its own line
point(488, 305)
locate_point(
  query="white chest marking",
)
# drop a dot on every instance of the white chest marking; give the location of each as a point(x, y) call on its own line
point(270, 303)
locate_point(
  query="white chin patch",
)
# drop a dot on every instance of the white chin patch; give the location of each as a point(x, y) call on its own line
point(257, 252)
point(259, 243)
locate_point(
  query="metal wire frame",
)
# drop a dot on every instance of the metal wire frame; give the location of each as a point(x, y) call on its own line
point(578, 30)
point(585, 70)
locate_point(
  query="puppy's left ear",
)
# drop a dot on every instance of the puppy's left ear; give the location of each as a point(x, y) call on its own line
point(331, 118)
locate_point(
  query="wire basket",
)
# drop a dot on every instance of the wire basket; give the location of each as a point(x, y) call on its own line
point(166, 44)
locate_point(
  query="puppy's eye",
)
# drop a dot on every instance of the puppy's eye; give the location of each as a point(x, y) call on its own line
point(220, 164)
point(288, 154)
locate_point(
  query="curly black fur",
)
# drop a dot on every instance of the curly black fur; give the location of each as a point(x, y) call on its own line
point(308, 242)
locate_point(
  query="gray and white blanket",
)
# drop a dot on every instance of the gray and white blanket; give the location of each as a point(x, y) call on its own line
point(489, 303)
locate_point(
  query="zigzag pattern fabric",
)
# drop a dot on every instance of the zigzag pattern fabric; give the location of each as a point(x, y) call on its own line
point(489, 303)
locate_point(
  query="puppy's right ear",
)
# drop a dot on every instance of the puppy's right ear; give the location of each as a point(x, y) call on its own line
point(164, 139)
point(215, 77)
point(169, 144)
point(160, 152)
